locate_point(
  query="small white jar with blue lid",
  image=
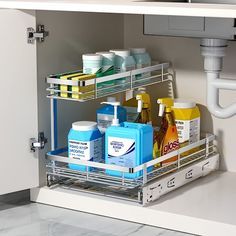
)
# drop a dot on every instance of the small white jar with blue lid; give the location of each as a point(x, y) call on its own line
point(123, 62)
point(84, 143)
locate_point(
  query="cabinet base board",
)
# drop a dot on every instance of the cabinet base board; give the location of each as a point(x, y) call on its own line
point(204, 207)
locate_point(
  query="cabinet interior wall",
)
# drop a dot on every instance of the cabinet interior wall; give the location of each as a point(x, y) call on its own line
point(73, 34)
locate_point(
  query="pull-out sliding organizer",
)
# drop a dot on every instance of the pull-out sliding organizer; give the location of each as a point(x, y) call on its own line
point(193, 161)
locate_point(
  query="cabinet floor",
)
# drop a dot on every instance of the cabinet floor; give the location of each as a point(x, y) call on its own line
point(27, 219)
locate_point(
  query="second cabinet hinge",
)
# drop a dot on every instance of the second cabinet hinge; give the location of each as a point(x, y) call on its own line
point(38, 34)
point(38, 144)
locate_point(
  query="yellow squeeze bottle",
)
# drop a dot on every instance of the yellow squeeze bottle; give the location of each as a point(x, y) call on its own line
point(167, 138)
point(144, 108)
point(187, 120)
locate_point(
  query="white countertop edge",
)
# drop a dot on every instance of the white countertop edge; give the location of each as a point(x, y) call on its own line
point(129, 7)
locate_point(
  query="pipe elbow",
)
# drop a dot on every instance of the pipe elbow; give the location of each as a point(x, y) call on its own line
point(221, 112)
point(214, 83)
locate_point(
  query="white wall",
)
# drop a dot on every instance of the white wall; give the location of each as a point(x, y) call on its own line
point(70, 36)
point(184, 53)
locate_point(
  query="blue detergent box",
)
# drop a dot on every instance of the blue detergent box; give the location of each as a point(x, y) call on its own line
point(84, 143)
point(128, 145)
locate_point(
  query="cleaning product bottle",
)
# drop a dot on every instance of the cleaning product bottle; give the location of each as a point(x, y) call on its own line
point(144, 108)
point(142, 59)
point(187, 120)
point(105, 114)
point(84, 143)
point(123, 62)
point(167, 138)
point(108, 62)
point(128, 145)
point(131, 105)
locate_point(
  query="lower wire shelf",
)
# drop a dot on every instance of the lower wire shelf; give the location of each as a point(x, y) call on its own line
point(143, 189)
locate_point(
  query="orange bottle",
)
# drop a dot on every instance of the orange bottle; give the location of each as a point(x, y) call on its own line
point(167, 138)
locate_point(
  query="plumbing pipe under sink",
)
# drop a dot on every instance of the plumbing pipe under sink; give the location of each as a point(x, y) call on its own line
point(213, 51)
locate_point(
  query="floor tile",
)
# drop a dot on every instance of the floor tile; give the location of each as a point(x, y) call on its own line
point(32, 219)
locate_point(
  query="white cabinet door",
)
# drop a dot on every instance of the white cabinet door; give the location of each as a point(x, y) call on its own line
point(18, 102)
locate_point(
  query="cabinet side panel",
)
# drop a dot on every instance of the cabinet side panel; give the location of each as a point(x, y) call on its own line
point(184, 53)
point(19, 167)
point(71, 34)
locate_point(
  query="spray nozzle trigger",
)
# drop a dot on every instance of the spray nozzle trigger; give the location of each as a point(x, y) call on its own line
point(140, 106)
point(115, 120)
point(161, 109)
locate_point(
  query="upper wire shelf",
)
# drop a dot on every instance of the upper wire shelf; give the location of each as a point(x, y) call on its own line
point(92, 88)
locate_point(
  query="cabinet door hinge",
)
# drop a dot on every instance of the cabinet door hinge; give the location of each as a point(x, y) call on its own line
point(38, 144)
point(38, 34)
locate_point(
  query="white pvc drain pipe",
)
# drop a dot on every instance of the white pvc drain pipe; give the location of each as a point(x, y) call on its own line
point(213, 51)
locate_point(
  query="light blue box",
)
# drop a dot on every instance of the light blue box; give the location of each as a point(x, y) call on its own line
point(128, 145)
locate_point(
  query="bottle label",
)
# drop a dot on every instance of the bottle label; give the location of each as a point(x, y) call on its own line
point(86, 150)
point(188, 130)
point(90, 70)
point(170, 144)
point(104, 121)
point(108, 69)
point(121, 152)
